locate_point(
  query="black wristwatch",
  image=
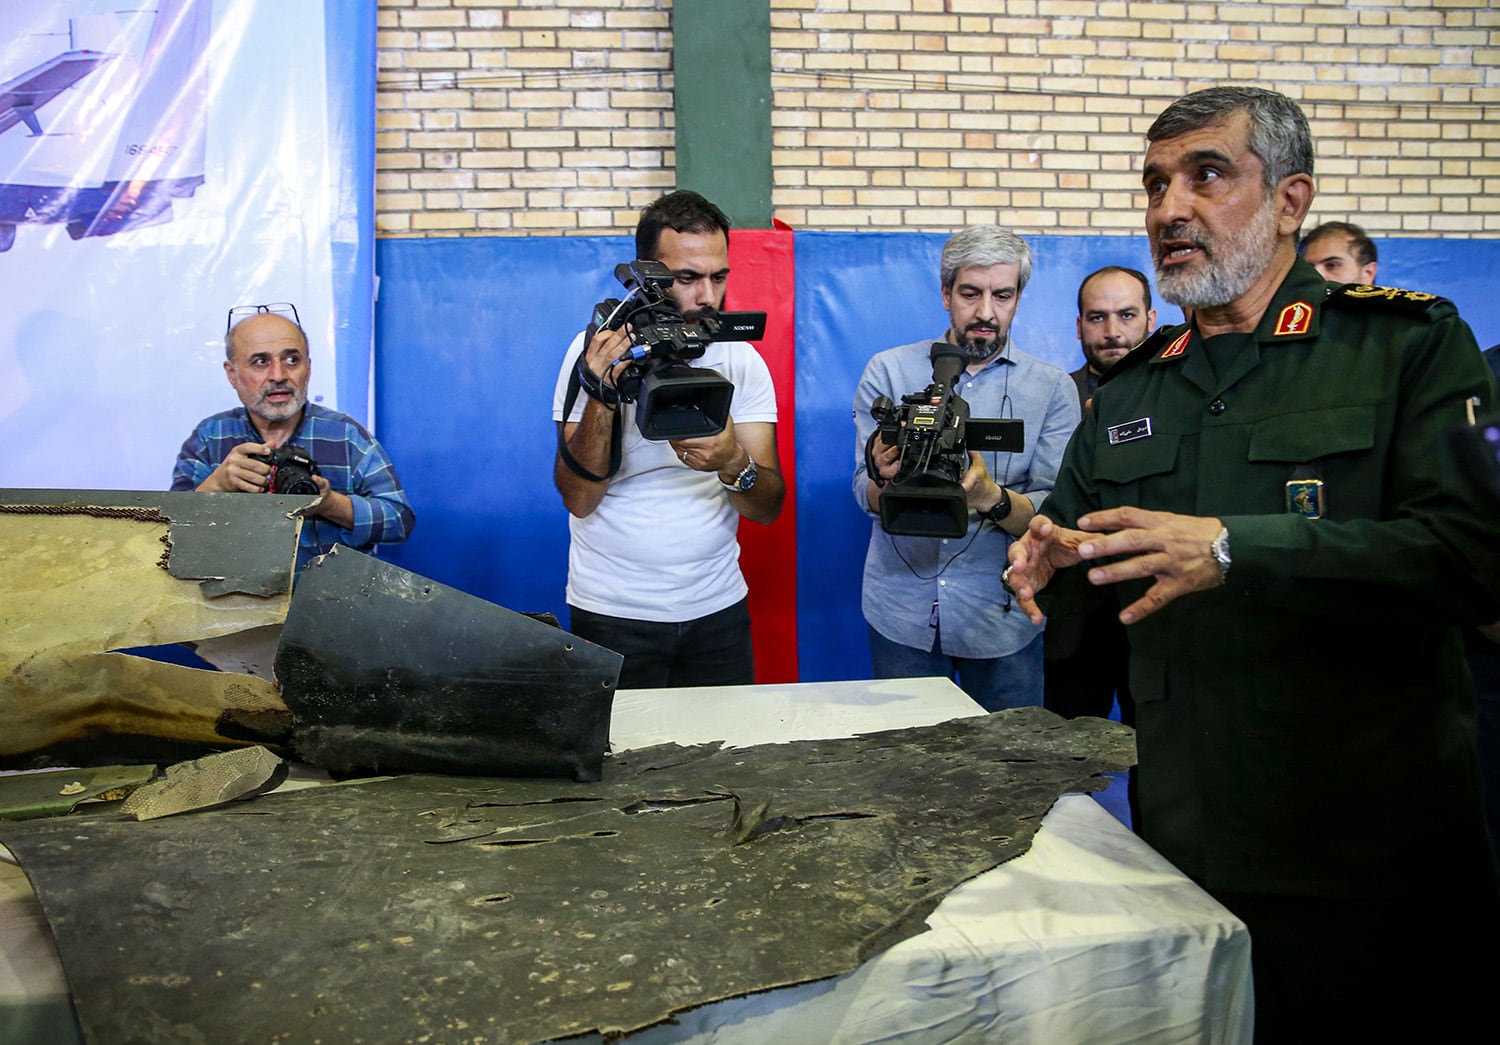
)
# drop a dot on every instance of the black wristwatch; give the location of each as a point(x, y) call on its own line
point(1001, 508)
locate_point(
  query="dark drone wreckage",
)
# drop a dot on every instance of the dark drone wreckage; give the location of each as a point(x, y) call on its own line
point(436, 908)
point(404, 908)
point(380, 670)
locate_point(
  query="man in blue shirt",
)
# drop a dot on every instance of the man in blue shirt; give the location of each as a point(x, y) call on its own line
point(935, 605)
point(268, 367)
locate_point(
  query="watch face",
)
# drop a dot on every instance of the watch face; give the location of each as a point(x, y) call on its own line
point(1001, 508)
point(744, 481)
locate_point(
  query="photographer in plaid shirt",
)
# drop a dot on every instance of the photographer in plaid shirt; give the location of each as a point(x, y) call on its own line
point(268, 367)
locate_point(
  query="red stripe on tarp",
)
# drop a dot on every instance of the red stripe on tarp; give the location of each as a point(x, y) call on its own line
point(763, 278)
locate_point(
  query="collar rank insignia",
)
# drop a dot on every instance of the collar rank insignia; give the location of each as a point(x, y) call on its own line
point(1129, 431)
point(1176, 348)
point(1296, 318)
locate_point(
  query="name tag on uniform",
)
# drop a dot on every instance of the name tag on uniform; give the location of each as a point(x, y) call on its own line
point(1129, 431)
point(1304, 497)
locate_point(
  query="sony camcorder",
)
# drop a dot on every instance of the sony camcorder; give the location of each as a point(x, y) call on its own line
point(673, 400)
point(934, 433)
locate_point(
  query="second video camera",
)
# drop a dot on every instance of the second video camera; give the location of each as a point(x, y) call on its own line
point(673, 400)
point(934, 434)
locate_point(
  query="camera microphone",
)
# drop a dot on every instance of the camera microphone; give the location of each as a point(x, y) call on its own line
point(948, 361)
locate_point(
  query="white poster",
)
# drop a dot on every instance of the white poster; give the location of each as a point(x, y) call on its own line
point(160, 162)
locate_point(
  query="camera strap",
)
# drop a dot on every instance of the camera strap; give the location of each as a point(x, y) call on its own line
point(592, 385)
point(616, 431)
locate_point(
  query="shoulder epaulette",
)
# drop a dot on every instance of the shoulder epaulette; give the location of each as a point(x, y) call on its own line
point(1147, 349)
point(1387, 299)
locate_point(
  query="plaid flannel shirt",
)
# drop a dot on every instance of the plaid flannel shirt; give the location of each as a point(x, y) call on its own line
point(347, 456)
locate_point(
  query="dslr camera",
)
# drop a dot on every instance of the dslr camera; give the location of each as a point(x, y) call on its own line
point(673, 400)
point(292, 469)
point(934, 433)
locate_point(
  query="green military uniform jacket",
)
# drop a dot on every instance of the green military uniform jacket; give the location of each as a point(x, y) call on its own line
point(1305, 729)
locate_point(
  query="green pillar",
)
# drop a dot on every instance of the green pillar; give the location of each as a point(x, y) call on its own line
point(721, 63)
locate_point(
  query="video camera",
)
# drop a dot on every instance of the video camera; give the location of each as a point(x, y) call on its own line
point(934, 433)
point(673, 400)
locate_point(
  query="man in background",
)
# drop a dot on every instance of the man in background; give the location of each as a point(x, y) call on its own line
point(934, 605)
point(653, 564)
point(361, 503)
point(1114, 315)
point(1088, 655)
point(1342, 252)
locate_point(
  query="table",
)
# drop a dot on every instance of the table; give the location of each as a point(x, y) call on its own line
point(1089, 937)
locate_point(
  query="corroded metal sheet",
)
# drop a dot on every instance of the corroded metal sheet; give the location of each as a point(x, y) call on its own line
point(446, 908)
point(385, 670)
point(229, 542)
point(83, 574)
point(379, 669)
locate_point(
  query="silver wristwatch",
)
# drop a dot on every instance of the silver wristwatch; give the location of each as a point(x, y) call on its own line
point(1220, 550)
point(745, 480)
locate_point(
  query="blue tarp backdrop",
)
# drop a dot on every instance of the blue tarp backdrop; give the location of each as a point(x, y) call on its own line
point(470, 334)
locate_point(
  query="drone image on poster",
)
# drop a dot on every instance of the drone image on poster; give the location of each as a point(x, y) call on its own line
point(101, 139)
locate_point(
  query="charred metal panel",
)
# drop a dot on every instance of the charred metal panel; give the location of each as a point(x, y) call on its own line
point(446, 908)
point(232, 542)
point(86, 573)
point(385, 670)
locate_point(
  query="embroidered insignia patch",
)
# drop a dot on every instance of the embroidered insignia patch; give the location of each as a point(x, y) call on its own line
point(1410, 302)
point(1304, 497)
point(1129, 431)
point(1176, 348)
point(1364, 293)
point(1294, 319)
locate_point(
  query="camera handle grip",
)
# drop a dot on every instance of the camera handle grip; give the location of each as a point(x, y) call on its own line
point(871, 468)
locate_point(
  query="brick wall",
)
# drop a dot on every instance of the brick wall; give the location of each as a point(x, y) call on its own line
point(555, 116)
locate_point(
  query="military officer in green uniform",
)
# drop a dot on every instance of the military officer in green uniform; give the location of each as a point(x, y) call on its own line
point(1267, 493)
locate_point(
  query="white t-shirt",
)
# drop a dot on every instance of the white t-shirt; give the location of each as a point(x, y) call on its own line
point(661, 546)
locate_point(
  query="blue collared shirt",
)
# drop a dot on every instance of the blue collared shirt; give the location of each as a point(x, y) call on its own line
point(910, 582)
point(347, 456)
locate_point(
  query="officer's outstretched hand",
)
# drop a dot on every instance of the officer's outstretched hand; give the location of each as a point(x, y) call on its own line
point(1040, 552)
point(1177, 550)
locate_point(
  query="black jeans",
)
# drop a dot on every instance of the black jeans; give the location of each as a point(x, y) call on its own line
point(710, 651)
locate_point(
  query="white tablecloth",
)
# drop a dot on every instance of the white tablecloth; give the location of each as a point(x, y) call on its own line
point(1090, 937)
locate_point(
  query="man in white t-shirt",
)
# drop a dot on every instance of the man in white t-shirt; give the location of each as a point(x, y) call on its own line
point(653, 567)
